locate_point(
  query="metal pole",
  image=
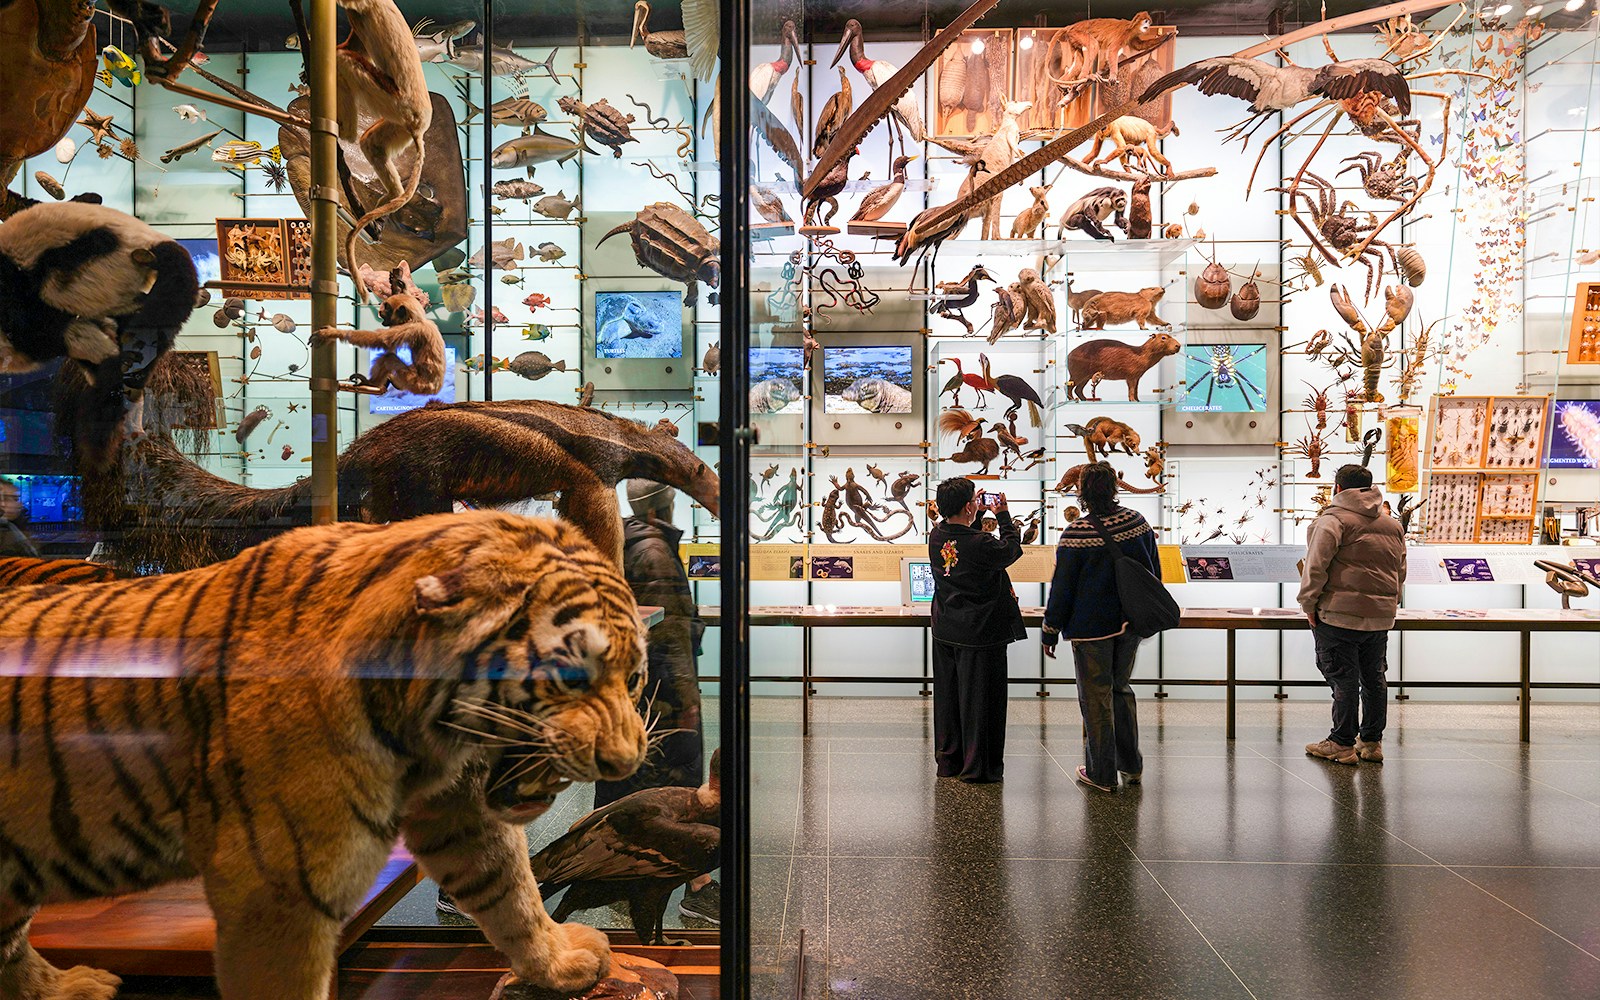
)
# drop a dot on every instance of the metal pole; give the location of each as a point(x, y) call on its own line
point(324, 262)
point(1233, 671)
point(1525, 720)
point(488, 185)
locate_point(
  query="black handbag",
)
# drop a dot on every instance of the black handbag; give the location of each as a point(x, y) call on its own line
point(1146, 605)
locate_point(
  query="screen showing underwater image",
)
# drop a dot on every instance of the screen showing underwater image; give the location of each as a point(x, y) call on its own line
point(638, 324)
point(777, 380)
point(392, 400)
point(1224, 378)
point(921, 582)
point(866, 380)
point(1575, 434)
point(207, 262)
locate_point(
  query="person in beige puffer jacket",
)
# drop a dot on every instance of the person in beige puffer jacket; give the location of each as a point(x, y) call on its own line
point(1350, 585)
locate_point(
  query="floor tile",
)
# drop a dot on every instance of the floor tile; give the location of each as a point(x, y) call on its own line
point(1566, 900)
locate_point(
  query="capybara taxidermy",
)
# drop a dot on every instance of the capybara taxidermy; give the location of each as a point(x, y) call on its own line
point(1117, 362)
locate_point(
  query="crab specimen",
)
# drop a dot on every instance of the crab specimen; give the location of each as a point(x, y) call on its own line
point(1335, 233)
point(1386, 181)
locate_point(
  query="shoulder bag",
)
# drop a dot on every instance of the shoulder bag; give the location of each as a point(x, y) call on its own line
point(1146, 605)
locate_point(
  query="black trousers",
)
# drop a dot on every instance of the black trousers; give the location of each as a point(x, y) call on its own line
point(1354, 664)
point(969, 711)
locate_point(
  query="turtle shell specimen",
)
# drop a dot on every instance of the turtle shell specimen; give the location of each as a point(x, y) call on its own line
point(1212, 287)
point(670, 242)
point(601, 122)
point(1246, 302)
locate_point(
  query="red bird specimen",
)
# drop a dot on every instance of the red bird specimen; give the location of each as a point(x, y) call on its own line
point(979, 384)
point(636, 850)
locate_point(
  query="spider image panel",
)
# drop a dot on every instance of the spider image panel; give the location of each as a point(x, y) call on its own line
point(1224, 378)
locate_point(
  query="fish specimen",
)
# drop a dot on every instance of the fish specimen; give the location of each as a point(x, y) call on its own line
point(516, 190)
point(119, 66)
point(190, 113)
point(548, 251)
point(506, 253)
point(239, 152)
point(440, 46)
point(505, 62)
point(517, 111)
point(538, 146)
point(537, 332)
point(555, 206)
point(178, 152)
point(536, 300)
point(533, 365)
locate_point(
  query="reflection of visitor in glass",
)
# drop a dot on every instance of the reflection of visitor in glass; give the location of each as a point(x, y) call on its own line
point(1083, 607)
point(14, 540)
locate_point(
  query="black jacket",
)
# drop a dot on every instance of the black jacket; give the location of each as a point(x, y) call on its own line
point(973, 603)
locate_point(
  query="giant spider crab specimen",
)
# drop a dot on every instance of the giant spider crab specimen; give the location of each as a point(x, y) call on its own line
point(1333, 229)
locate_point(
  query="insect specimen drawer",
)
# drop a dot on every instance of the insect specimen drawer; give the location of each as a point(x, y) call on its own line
point(1493, 433)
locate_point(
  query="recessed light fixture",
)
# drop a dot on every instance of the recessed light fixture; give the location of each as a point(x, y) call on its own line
point(1573, 4)
point(1534, 10)
point(977, 46)
point(1025, 42)
point(1502, 10)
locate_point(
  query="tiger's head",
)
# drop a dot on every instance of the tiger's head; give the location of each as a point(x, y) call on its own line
point(552, 664)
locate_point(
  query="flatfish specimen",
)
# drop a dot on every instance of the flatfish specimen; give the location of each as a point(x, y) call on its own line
point(555, 206)
point(517, 190)
point(517, 111)
point(535, 365)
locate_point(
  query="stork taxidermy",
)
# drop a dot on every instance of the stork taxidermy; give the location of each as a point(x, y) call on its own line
point(907, 110)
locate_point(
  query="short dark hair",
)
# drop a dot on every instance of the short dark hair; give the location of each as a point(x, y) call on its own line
point(1098, 488)
point(954, 495)
point(1352, 477)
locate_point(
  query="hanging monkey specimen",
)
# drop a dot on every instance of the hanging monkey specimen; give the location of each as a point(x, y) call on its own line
point(380, 72)
point(405, 324)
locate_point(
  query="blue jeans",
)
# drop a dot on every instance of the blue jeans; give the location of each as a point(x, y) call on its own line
point(1110, 726)
point(1354, 663)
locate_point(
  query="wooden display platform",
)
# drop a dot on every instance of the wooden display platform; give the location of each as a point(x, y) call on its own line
point(409, 970)
point(169, 931)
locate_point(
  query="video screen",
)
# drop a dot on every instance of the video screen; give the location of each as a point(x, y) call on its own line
point(1575, 434)
point(921, 582)
point(866, 380)
point(394, 401)
point(777, 380)
point(638, 324)
point(49, 499)
point(1224, 378)
point(207, 262)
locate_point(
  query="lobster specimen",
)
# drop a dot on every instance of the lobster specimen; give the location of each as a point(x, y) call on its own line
point(1372, 352)
point(1318, 404)
point(1311, 449)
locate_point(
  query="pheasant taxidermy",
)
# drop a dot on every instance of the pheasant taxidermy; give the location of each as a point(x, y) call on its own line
point(636, 850)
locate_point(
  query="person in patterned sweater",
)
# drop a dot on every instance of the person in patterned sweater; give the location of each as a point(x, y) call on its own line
point(1083, 607)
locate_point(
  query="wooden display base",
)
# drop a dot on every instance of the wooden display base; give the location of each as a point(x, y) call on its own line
point(818, 230)
point(877, 230)
point(169, 930)
point(770, 230)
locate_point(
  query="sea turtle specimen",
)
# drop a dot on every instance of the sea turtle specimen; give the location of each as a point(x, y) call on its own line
point(601, 122)
point(670, 242)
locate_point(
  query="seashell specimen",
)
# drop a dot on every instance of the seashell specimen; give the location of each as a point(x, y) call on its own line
point(50, 184)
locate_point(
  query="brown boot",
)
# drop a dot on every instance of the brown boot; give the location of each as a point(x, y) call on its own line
point(1336, 752)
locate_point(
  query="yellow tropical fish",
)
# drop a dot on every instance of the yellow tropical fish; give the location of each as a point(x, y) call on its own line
point(120, 65)
point(238, 151)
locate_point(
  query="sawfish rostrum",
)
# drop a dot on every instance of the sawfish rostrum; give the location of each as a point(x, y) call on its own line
point(531, 150)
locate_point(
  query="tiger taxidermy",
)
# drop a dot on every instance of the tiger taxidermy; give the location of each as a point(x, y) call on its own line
point(405, 324)
point(303, 707)
point(380, 73)
point(96, 285)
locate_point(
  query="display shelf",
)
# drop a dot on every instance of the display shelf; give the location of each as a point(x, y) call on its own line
point(1125, 255)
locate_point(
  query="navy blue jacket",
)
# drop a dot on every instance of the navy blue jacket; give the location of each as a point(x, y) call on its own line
point(1083, 600)
point(973, 603)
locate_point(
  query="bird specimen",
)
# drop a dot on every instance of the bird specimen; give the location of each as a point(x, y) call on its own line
point(1016, 389)
point(977, 382)
point(907, 111)
point(961, 423)
point(661, 44)
point(1271, 88)
point(834, 111)
point(1006, 313)
point(637, 850)
point(764, 77)
point(767, 204)
point(881, 199)
point(980, 451)
point(827, 192)
point(1039, 304)
point(1009, 443)
point(959, 295)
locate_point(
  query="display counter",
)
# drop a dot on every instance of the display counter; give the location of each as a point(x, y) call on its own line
point(1523, 621)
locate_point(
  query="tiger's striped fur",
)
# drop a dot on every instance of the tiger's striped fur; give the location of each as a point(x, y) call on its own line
point(275, 722)
point(25, 571)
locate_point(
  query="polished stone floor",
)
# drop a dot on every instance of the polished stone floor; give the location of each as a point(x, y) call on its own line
point(1465, 866)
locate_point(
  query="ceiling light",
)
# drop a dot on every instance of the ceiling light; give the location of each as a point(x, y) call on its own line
point(1534, 10)
point(1025, 42)
point(1573, 5)
point(977, 46)
point(1502, 10)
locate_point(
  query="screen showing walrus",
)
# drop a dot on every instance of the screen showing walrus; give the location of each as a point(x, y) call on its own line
point(638, 324)
point(1224, 378)
point(777, 380)
point(866, 380)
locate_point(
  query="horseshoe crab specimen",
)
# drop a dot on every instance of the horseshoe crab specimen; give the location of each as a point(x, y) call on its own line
point(670, 242)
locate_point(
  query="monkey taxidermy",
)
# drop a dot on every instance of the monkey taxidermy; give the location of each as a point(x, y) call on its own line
point(405, 324)
point(380, 72)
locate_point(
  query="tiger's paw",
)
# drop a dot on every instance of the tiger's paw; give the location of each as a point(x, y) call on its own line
point(584, 958)
point(80, 983)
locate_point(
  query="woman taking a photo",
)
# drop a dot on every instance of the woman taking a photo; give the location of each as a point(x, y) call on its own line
point(1084, 608)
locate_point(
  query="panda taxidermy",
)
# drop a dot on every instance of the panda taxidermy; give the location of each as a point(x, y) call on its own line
point(96, 285)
